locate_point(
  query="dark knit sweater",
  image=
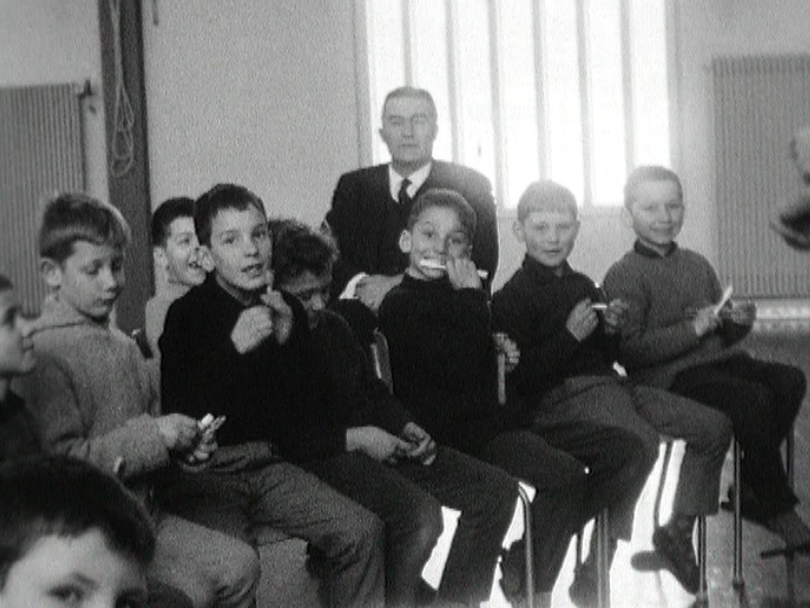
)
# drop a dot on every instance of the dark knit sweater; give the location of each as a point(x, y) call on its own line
point(659, 339)
point(533, 308)
point(18, 432)
point(273, 393)
point(356, 396)
point(443, 361)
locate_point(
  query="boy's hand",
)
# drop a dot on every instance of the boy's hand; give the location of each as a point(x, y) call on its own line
point(744, 313)
point(615, 316)
point(371, 290)
point(423, 448)
point(377, 444)
point(253, 327)
point(462, 273)
point(582, 320)
point(179, 432)
point(506, 345)
point(281, 315)
point(705, 321)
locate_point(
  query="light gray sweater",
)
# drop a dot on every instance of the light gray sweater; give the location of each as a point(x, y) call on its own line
point(659, 339)
point(91, 394)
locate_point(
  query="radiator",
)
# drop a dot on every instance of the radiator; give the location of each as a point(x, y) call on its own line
point(41, 152)
point(758, 104)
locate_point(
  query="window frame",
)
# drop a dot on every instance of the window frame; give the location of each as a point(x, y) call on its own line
point(368, 123)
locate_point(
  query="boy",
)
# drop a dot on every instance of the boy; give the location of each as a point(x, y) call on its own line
point(18, 435)
point(71, 536)
point(443, 361)
point(235, 347)
point(176, 252)
point(392, 466)
point(568, 346)
point(677, 338)
point(92, 397)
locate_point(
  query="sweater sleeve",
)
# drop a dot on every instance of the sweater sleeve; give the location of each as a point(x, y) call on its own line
point(62, 424)
point(642, 344)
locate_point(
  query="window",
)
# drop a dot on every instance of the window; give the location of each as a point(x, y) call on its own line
point(571, 90)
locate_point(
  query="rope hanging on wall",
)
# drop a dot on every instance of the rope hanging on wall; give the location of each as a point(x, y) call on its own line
point(122, 143)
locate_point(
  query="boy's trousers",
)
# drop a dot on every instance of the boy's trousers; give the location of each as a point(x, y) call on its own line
point(574, 415)
point(246, 489)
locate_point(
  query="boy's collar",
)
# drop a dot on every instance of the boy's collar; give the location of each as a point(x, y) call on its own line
point(543, 272)
point(649, 252)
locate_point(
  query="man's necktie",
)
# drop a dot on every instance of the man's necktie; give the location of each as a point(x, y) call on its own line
point(403, 196)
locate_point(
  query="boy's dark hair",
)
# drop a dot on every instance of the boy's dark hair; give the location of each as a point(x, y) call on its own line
point(448, 199)
point(5, 283)
point(412, 92)
point(72, 217)
point(298, 248)
point(546, 195)
point(61, 496)
point(219, 198)
point(649, 173)
point(169, 210)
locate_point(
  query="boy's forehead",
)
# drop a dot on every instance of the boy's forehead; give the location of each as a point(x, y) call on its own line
point(232, 219)
point(436, 214)
point(181, 225)
point(87, 250)
point(656, 190)
point(544, 216)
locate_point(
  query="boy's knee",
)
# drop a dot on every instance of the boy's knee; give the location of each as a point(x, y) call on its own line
point(240, 571)
point(718, 429)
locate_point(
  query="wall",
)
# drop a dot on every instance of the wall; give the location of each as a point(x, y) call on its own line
point(255, 92)
point(52, 41)
point(263, 92)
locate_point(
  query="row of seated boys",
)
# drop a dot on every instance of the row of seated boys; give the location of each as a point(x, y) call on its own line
point(326, 415)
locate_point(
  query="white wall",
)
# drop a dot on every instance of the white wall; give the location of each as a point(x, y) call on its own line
point(51, 42)
point(256, 92)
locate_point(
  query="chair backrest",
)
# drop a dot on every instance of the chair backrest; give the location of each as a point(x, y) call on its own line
point(381, 359)
point(139, 335)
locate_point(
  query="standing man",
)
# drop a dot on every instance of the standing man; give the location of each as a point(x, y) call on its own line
point(371, 205)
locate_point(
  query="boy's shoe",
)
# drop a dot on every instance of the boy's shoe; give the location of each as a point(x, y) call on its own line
point(583, 591)
point(679, 556)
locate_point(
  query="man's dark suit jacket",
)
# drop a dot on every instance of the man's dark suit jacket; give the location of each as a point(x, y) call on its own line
point(367, 222)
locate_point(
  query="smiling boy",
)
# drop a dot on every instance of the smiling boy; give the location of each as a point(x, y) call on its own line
point(677, 338)
point(177, 253)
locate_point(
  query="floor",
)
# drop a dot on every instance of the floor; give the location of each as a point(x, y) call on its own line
point(766, 581)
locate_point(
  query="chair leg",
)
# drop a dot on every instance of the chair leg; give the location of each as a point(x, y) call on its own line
point(527, 536)
point(661, 483)
point(702, 596)
point(738, 582)
point(602, 529)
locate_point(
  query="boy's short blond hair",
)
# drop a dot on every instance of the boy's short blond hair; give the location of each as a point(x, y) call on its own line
point(649, 173)
point(72, 217)
point(546, 195)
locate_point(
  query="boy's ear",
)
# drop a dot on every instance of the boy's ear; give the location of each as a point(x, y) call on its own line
point(51, 272)
point(517, 229)
point(159, 255)
point(405, 241)
point(206, 261)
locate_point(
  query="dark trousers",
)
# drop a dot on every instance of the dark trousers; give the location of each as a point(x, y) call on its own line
point(558, 506)
point(408, 498)
point(762, 399)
